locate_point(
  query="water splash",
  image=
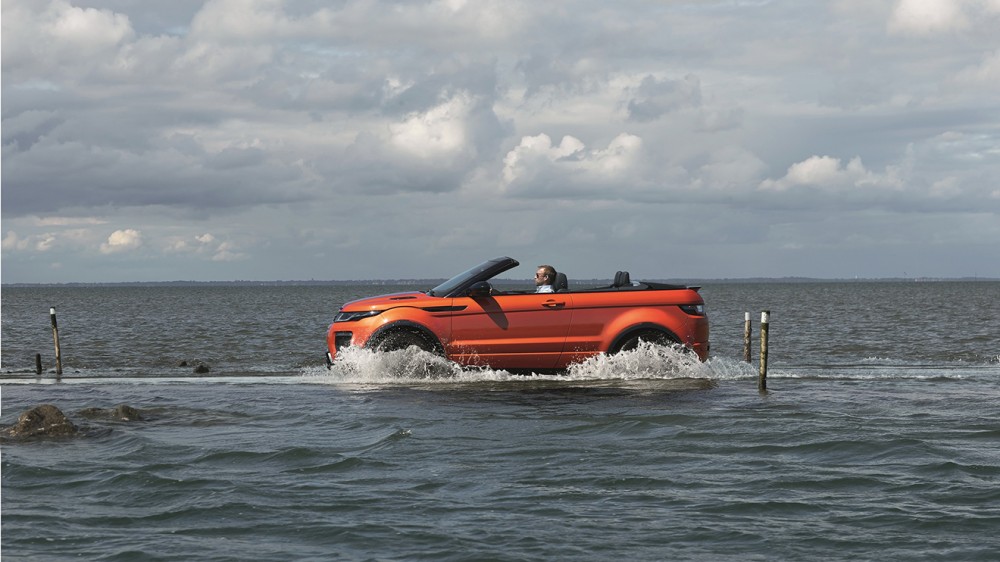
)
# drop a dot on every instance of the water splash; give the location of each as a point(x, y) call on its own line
point(360, 365)
point(647, 361)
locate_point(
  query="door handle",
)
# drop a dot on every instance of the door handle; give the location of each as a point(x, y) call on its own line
point(553, 304)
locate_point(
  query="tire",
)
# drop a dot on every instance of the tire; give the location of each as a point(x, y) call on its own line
point(402, 339)
point(652, 336)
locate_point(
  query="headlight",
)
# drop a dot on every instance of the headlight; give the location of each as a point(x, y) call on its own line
point(355, 316)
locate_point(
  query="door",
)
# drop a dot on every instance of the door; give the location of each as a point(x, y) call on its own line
point(517, 331)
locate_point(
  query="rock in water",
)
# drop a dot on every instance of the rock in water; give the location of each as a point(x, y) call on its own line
point(44, 420)
point(121, 412)
point(125, 412)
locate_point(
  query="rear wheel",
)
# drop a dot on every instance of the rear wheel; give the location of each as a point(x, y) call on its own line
point(652, 336)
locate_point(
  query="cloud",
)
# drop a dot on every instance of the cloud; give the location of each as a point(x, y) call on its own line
point(40, 37)
point(928, 17)
point(828, 173)
point(434, 149)
point(295, 138)
point(206, 246)
point(436, 134)
point(43, 242)
point(536, 152)
point(69, 221)
point(538, 168)
point(986, 72)
point(654, 97)
point(122, 241)
point(227, 252)
point(11, 241)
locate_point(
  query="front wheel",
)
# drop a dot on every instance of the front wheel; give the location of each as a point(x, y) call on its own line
point(402, 339)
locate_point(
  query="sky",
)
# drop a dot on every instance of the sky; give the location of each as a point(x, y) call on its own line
point(336, 140)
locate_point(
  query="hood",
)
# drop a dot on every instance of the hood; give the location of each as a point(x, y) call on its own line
point(385, 302)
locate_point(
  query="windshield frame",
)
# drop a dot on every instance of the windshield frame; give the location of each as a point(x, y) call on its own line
point(457, 285)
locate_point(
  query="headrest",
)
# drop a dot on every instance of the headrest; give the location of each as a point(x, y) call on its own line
point(621, 279)
point(562, 284)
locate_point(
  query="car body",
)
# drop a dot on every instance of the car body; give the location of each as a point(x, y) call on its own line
point(472, 323)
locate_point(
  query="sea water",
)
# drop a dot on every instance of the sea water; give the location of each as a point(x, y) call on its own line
point(878, 437)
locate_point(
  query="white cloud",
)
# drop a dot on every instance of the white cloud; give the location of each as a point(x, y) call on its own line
point(438, 133)
point(41, 36)
point(87, 29)
point(227, 251)
point(927, 16)
point(830, 173)
point(985, 73)
point(43, 242)
point(11, 241)
point(946, 188)
point(536, 151)
point(69, 221)
point(122, 241)
point(207, 247)
point(622, 154)
point(567, 168)
point(248, 20)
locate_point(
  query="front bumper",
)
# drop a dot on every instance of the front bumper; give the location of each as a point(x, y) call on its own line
point(340, 341)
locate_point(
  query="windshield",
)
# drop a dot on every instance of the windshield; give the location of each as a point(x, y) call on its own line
point(481, 272)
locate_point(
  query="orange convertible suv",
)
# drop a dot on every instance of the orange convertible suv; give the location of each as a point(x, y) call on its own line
point(472, 323)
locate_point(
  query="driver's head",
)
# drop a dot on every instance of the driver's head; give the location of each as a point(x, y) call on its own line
point(546, 275)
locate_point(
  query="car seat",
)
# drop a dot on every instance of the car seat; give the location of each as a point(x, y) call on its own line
point(622, 279)
point(562, 284)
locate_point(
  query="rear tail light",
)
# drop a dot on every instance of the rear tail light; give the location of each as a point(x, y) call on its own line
point(693, 309)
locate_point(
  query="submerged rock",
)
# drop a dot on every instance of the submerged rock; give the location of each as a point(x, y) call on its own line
point(122, 412)
point(126, 413)
point(42, 421)
point(201, 369)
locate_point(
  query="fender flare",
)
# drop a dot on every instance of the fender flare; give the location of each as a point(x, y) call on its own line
point(405, 326)
point(644, 327)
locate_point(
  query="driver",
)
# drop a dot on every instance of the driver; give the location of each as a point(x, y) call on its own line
point(545, 278)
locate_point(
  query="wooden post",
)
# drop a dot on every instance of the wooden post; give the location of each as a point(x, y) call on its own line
point(38, 363)
point(765, 319)
point(746, 337)
point(55, 338)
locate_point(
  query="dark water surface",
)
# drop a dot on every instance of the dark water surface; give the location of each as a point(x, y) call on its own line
point(879, 437)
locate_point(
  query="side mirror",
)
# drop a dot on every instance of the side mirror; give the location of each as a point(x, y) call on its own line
point(480, 289)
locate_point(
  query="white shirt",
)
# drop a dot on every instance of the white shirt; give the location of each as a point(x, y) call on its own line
point(544, 289)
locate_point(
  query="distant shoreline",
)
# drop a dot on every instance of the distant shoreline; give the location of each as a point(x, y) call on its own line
point(428, 283)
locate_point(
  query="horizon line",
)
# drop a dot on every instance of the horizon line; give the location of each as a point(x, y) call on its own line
point(414, 281)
